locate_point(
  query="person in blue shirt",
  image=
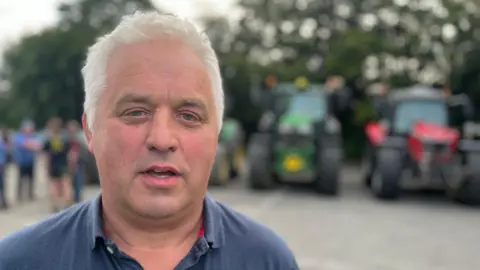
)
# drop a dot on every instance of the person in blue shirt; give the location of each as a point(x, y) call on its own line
point(153, 113)
point(26, 144)
point(3, 162)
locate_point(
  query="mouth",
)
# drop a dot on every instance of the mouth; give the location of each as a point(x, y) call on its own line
point(161, 172)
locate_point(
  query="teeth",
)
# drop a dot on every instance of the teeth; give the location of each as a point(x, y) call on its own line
point(161, 174)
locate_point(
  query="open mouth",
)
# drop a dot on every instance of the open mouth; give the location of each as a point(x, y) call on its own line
point(160, 173)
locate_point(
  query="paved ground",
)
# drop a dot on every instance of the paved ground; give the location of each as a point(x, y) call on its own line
point(350, 232)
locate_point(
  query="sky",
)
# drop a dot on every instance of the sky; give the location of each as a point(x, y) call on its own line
point(18, 17)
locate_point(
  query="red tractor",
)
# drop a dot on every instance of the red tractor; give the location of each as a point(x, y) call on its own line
point(414, 146)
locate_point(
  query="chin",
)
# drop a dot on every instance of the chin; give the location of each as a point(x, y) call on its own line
point(158, 207)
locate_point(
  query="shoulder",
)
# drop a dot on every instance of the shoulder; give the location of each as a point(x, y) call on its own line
point(39, 244)
point(261, 244)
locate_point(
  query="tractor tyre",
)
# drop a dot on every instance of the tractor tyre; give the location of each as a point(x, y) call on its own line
point(220, 174)
point(469, 191)
point(260, 174)
point(387, 174)
point(329, 164)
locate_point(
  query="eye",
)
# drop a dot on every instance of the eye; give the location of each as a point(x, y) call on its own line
point(135, 113)
point(189, 116)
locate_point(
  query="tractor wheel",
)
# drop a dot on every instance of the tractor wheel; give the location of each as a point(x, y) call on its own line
point(469, 191)
point(259, 170)
point(220, 174)
point(329, 166)
point(387, 174)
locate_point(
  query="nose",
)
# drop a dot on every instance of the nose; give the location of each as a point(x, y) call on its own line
point(162, 136)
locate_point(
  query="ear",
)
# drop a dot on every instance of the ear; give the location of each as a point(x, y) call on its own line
point(87, 132)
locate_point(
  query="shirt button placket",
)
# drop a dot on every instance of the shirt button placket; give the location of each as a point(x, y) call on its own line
point(110, 250)
point(110, 246)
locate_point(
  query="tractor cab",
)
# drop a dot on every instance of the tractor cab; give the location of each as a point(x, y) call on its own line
point(403, 109)
point(277, 100)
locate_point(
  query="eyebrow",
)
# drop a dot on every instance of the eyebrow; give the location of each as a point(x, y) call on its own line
point(134, 98)
point(192, 103)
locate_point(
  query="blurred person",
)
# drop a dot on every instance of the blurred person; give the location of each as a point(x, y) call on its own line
point(333, 82)
point(56, 148)
point(340, 95)
point(26, 144)
point(3, 163)
point(380, 101)
point(7, 140)
point(461, 109)
point(153, 113)
point(75, 165)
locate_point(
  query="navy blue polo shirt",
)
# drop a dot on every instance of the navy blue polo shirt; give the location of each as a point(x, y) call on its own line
point(74, 239)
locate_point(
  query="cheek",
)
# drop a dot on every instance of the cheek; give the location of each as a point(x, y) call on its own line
point(200, 150)
point(118, 145)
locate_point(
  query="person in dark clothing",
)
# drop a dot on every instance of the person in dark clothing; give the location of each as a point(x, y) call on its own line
point(56, 148)
point(339, 98)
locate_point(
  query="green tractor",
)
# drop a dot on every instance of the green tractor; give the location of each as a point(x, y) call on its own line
point(230, 157)
point(299, 139)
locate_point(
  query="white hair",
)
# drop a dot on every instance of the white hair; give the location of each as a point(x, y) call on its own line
point(142, 26)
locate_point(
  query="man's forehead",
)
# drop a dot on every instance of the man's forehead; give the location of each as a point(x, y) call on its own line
point(159, 52)
point(157, 60)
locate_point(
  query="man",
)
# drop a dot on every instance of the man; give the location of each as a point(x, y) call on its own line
point(26, 145)
point(153, 112)
point(380, 100)
point(75, 165)
point(339, 99)
point(56, 149)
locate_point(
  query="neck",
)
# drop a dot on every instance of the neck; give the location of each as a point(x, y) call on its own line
point(134, 232)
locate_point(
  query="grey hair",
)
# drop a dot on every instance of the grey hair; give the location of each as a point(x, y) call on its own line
point(139, 27)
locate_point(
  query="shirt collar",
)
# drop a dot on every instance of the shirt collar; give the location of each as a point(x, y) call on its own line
point(95, 221)
point(212, 218)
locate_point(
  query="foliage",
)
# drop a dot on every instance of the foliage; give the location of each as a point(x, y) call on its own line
point(401, 42)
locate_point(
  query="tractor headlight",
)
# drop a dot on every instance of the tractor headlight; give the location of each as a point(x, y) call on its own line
point(305, 129)
point(285, 128)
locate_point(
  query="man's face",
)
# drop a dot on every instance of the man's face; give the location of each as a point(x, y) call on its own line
point(332, 82)
point(157, 111)
point(55, 126)
point(28, 130)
